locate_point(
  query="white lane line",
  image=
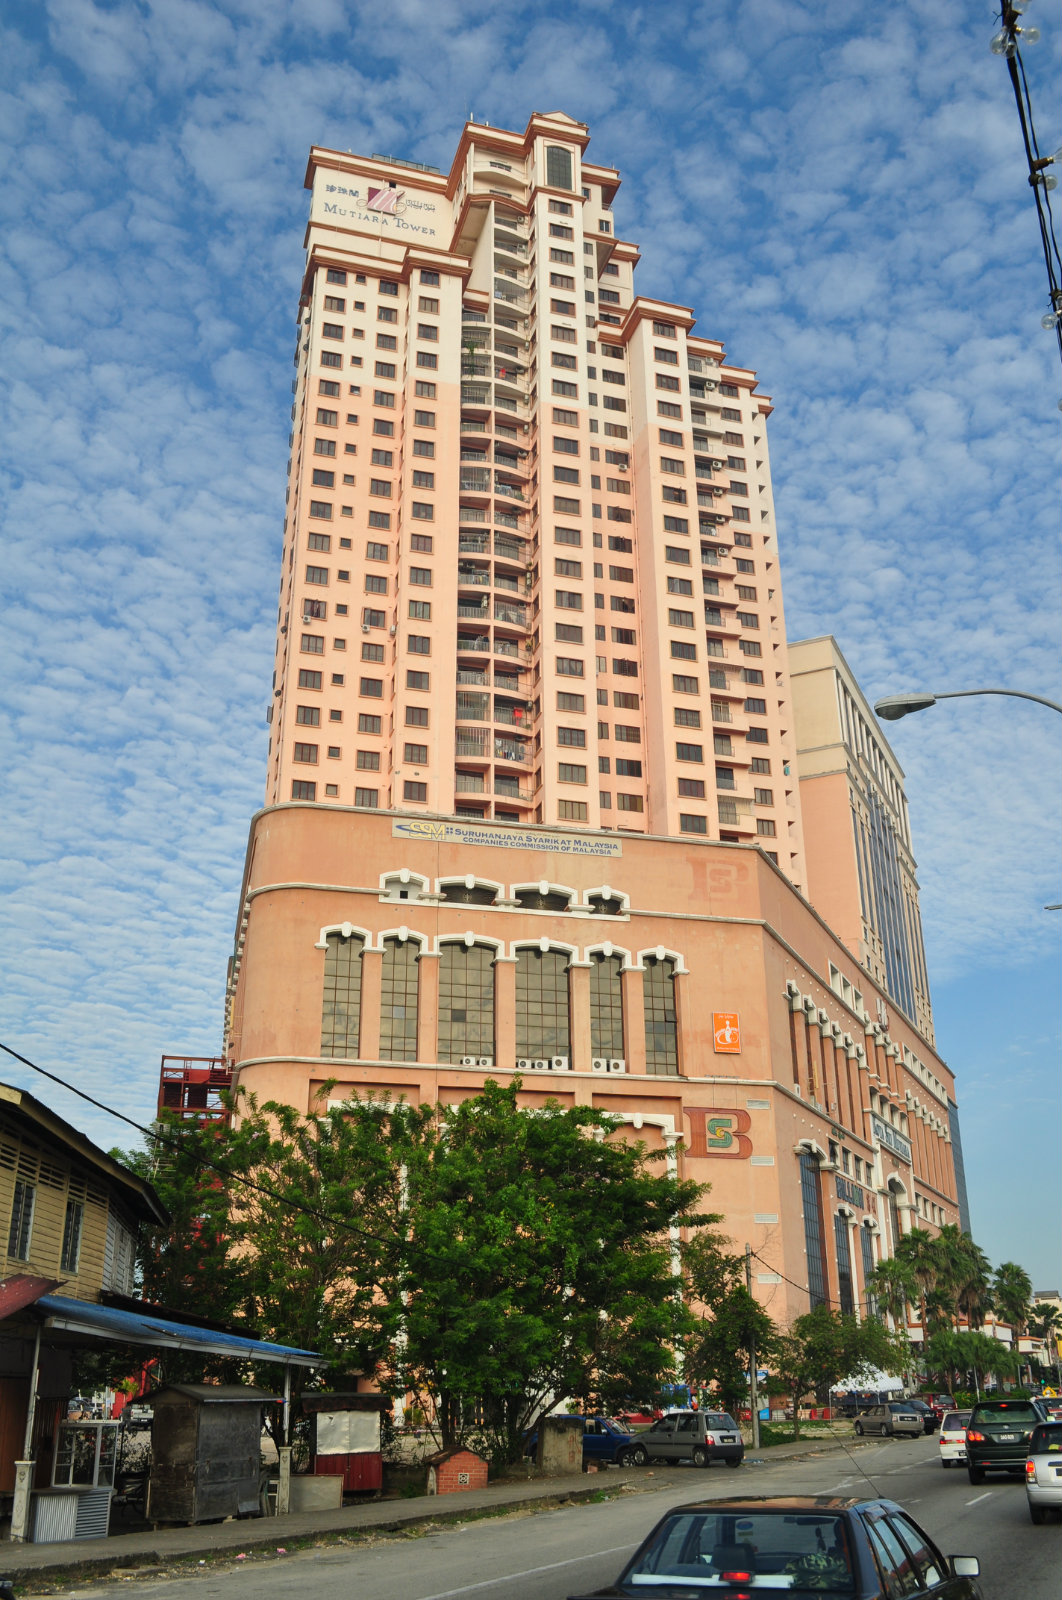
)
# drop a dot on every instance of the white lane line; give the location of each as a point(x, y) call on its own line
point(978, 1498)
point(529, 1572)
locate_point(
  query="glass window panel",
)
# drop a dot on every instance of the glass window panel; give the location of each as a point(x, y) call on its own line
point(606, 1006)
point(398, 1000)
point(466, 1001)
point(542, 1026)
point(661, 1025)
point(341, 1009)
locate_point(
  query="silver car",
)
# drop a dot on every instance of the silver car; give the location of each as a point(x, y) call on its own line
point(702, 1437)
point(1043, 1472)
point(896, 1419)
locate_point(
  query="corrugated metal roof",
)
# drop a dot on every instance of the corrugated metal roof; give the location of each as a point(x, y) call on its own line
point(130, 1327)
point(21, 1290)
point(212, 1393)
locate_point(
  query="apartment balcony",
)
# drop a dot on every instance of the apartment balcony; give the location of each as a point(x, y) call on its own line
point(721, 712)
point(471, 746)
point(470, 486)
point(471, 514)
point(510, 490)
point(472, 707)
point(472, 675)
point(502, 581)
point(512, 791)
point(473, 578)
point(511, 716)
point(480, 613)
point(473, 543)
point(470, 782)
point(508, 519)
point(478, 645)
point(476, 394)
point(505, 611)
point(509, 549)
point(506, 647)
point(512, 749)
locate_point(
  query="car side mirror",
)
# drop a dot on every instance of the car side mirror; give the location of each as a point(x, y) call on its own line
point(965, 1566)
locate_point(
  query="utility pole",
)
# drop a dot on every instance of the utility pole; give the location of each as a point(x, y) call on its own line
point(753, 1395)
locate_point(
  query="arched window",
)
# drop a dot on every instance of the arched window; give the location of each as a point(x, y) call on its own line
point(558, 167)
point(398, 1000)
point(341, 1011)
point(842, 1247)
point(466, 1002)
point(606, 1006)
point(661, 1026)
point(814, 1240)
point(542, 1027)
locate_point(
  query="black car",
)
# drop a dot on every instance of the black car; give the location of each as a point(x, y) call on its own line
point(997, 1436)
point(807, 1545)
point(929, 1414)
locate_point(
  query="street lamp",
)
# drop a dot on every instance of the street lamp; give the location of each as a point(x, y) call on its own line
point(895, 706)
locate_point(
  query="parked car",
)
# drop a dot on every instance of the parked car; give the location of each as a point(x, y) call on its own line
point(946, 1402)
point(997, 1436)
point(605, 1442)
point(896, 1419)
point(1043, 1471)
point(862, 1549)
point(953, 1438)
point(930, 1415)
point(698, 1436)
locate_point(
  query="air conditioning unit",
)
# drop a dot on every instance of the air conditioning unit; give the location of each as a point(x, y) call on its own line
point(717, 465)
point(617, 1064)
point(599, 1064)
point(540, 1066)
point(560, 1064)
point(484, 1061)
point(469, 1061)
point(524, 1064)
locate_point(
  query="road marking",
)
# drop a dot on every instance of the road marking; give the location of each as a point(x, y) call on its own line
point(529, 1572)
point(978, 1498)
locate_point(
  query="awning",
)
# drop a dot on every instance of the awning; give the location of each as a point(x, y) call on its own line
point(23, 1289)
point(86, 1321)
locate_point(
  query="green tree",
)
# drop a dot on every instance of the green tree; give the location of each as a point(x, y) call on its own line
point(968, 1357)
point(731, 1324)
point(1012, 1293)
point(823, 1347)
point(919, 1251)
point(539, 1265)
point(894, 1287)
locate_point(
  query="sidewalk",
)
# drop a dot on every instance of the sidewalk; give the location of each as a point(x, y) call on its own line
point(97, 1558)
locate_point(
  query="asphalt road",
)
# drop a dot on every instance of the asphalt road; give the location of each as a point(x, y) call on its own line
point(552, 1554)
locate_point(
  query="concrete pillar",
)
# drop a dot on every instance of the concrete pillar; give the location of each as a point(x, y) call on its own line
point(428, 1007)
point(505, 1010)
point(579, 1015)
point(20, 1510)
point(371, 989)
point(283, 1480)
point(690, 1064)
point(634, 1018)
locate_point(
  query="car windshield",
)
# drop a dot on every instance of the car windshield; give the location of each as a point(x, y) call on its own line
point(955, 1421)
point(1046, 1440)
point(1004, 1411)
point(803, 1553)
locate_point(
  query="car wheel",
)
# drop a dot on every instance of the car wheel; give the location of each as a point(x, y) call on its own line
point(976, 1474)
point(945, 1465)
point(884, 1430)
point(636, 1456)
point(735, 1461)
point(699, 1456)
point(1038, 1515)
point(859, 1429)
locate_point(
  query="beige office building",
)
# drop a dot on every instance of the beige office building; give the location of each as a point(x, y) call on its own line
point(860, 868)
point(530, 566)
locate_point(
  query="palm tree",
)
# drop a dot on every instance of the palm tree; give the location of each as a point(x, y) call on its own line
point(1046, 1324)
point(918, 1250)
point(894, 1286)
point(974, 1286)
point(1012, 1289)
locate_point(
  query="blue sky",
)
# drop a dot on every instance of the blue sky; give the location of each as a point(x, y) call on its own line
point(840, 193)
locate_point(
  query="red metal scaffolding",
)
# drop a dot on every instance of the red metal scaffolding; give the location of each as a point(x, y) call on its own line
point(191, 1086)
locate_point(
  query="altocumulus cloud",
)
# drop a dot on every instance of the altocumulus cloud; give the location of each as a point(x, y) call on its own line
point(838, 192)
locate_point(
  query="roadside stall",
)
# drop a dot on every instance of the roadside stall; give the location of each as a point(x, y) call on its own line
point(345, 1438)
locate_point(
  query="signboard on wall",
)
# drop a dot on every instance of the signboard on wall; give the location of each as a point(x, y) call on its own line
point(504, 837)
point(376, 206)
point(726, 1033)
point(892, 1140)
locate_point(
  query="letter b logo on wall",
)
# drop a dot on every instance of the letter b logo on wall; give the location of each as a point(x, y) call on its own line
point(719, 1131)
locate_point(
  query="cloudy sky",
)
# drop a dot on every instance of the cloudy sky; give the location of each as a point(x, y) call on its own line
point(840, 192)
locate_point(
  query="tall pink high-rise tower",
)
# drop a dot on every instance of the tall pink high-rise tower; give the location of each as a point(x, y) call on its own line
point(530, 569)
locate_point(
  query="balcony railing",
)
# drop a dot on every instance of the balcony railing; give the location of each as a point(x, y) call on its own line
point(472, 675)
point(472, 543)
point(720, 713)
point(507, 519)
point(478, 646)
point(502, 582)
point(506, 612)
point(476, 456)
point(512, 791)
point(506, 647)
point(469, 782)
point(471, 514)
point(508, 549)
point(510, 718)
point(473, 707)
point(473, 580)
point(512, 750)
point(473, 485)
point(510, 490)
point(481, 612)
point(466, 744)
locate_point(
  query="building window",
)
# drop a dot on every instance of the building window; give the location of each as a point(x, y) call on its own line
point(542, 1028)
point(398, 1000)
point(661, 1022)
point(417, 792)
point(302, 790)
point(844, 1265)
point(606, 1006)
point(811, 1196)
point(367, 797)
point(688, 823)
point(559, 168)
point(866, 1243)
point(341, 1011)
point(306, 753)
point(21, 1230)
point(72, 1228)
point(466, 1002)
point(572, 811)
